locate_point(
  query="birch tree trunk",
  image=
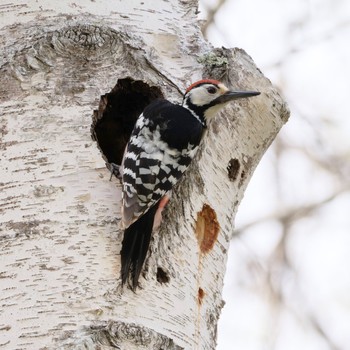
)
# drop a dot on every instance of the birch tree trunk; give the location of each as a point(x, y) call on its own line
point(60, 239)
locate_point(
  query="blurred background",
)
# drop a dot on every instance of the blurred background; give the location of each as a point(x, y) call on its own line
point(288, 279)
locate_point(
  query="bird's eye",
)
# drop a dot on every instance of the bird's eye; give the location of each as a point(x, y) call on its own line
point(211, 90)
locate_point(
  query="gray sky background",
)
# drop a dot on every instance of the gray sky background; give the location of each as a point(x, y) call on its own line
point(288, 279)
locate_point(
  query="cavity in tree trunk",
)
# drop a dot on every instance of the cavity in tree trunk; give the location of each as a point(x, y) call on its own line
point(60, 239)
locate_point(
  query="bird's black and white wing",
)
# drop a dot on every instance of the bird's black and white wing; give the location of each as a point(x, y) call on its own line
point(155, 159)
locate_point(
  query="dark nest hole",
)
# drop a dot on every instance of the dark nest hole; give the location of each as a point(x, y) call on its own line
point(116, 116)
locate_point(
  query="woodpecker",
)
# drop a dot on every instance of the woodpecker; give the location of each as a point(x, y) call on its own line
point(163, 143)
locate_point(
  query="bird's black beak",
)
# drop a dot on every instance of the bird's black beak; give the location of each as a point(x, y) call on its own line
point(234, 95)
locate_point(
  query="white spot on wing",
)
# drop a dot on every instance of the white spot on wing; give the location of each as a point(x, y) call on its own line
point(131, 155)
point(145, 171)
point(129, 172)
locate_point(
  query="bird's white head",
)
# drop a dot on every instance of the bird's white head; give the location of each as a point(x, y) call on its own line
point(206, 97)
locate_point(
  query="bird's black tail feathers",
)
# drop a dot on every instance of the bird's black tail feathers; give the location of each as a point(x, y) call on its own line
point(135, 245)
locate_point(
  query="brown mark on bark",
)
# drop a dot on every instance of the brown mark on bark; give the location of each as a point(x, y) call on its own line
point(207, 228)
point(201, 295)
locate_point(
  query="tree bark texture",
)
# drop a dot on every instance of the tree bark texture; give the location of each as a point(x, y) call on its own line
point(60, 239)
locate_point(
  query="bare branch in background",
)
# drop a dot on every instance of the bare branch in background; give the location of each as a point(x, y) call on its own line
point(211, 12)
point(288, 216)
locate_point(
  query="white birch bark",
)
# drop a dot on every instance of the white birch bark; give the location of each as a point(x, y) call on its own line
point(59, 233)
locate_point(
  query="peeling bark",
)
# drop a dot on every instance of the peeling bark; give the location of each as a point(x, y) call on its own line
point(59, 233)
